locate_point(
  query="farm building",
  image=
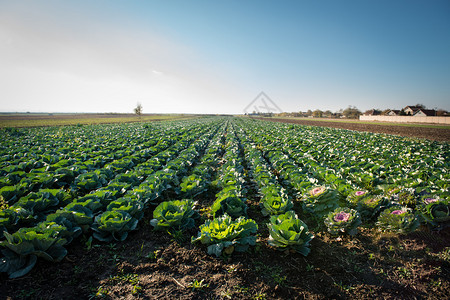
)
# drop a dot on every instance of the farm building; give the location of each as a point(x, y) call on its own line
point(411, 109)
point(372, 112)
point(425, 113)
point(393, 112)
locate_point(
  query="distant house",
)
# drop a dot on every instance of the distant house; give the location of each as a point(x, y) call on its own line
point(425, 113)
point(393, 112)
point(411, 110)
point(372, 112)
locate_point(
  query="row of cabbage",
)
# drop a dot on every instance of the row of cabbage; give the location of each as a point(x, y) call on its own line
point(35, 206)
point(89, 161)
point(286, 230)
point(229, 229)
point(109, 212)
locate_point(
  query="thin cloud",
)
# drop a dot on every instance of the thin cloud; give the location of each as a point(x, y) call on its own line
point(47, 67)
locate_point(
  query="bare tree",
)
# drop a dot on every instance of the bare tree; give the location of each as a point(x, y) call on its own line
point(420, 105)
point(138, 109)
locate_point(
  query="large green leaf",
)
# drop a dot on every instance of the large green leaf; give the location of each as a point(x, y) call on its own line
point(177, 214)
point(222, 232)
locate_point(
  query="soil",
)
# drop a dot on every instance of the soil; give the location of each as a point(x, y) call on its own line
point(156, 265)
point(430, 133)
point(153, 265)
point(21, 120)
point(51, 116)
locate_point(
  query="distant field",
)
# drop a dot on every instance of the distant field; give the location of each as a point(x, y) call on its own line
point(37, 120)
point(98, 212)
point(367, 122)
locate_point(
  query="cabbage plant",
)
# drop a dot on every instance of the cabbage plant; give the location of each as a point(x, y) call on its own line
point(132, 206)
point(93, 204)
point(44, 201)
point(287, 231)
point(355, 196)
point(405, 197)
point(369, 207)
point(435, 211)
point(8, 220)
point(273, 204)
point(13, 218)
point(23, 247)
point(113, 225)
point(398, 219)
point(177, 215)
point(343, 219)
point(223, 235)
point(64, 228)
point(76, 213)
point(229, 203)
point(89, 181)
point(320, 200)
point(194, 184)
point(102, 196)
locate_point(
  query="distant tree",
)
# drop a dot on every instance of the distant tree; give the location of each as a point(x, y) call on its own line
point(419, 105)
point(385, 112)
point(138, 109)
point(327, 113)
point(402, 112)
point(317, 113)
point(441, 112)
point(339, 113)
point(352, 112)
point(309, 113)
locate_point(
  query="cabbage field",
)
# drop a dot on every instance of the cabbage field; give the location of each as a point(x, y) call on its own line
point(272, 210)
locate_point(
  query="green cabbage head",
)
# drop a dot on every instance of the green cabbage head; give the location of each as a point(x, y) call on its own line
point(435, 211)
point(177, 214)
point(222, 234)
point(113, 225)
point(287, 231)
point(23, 247)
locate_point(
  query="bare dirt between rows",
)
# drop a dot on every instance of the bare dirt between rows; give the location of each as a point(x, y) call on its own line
point(434, 134)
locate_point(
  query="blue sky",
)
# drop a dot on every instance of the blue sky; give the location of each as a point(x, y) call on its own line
point(217, 56)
